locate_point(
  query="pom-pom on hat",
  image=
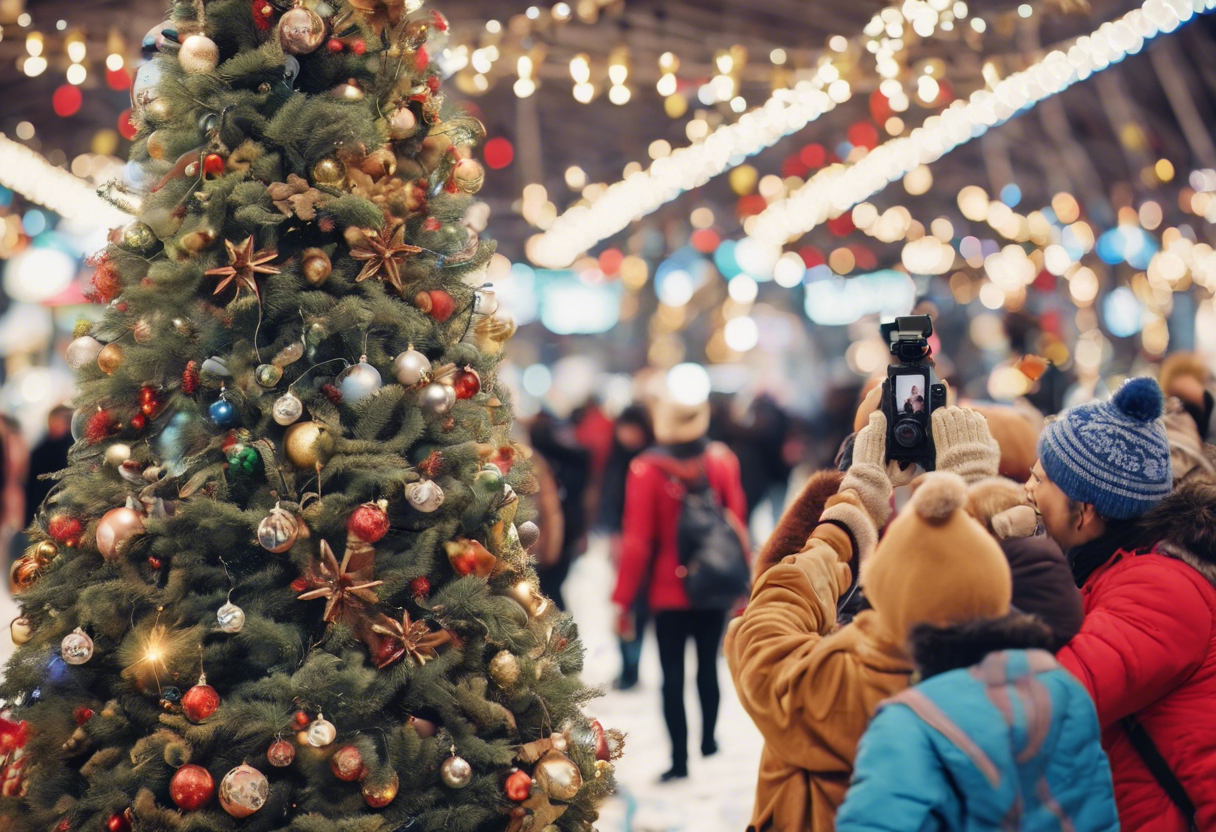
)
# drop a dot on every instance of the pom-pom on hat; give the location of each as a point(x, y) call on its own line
point(1113, 455)
point(936, 564)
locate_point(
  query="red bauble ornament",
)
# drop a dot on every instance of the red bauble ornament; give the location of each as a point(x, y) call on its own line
point(139, 421)
point(467, 384)
point(332, 393)
point(301, 719)
point(334, 45)
point(380, 794)
point(13, 735)
point(190, 378)
point(347, 764)
point(155, 562)
point(200, 701)
point(119, 822)
point(442, 305)
point(106, 283)
point(263, 13)
point(65, 529)
point(281, 753)
point(82, 715)
point(368, 522)
point(192, 787)
point(602, 751)
point(213, 164)
point(420, 586)
point(100, 425)
point(518, 785)
point(431, 224)
point(149, 400)
point(358, 47)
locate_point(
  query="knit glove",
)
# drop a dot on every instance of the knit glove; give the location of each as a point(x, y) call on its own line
point(964, 444)
point(870, 473)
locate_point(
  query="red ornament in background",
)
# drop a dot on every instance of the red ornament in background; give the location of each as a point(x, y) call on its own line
point(119, 822)
point(126, 127)
point(139, 421)
point(334, 45)
point(863, 134)
point(421, 59)
point(347, 764)
point(13, 735)
point(65, 530)
point(602, 751)
point(813, 155)
point(190, 378)
point(118, 79)
point(64, 825)
point(518, 785)
point(750, 205)
point(431, 224)
point(149, 400)
point(66, 100)
point(263, 14)
point(368, 522)
point(420, 586)
point(358, 47)
point(301, 719)
point(498, 153)
point(467, 384)
point(842, 226)
point(213, 164)
point(442, 305)
point(82, 715)
point(200, 701)
point(155, 562)
point(332, 393)
point(192, 787)
point(106, 283)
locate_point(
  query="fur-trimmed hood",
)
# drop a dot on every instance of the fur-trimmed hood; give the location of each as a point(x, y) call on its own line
point(798, 520)
point(936, 650)
point(1184, 524)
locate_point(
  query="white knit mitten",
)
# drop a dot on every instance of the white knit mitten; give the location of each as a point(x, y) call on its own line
point(868, 475)
point(964, 444)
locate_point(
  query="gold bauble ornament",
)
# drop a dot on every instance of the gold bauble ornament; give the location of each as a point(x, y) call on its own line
point(139, 237)
point(315, 265)
point(558, 776)
point(504, 669)
point(21, 630)
point(328, 171)
point(308, 444)
point(469, 176)
point(156, 145)
point(381, 791)
point(25, 573)
point(198, 54)
point(110, 358)
point(43, 550)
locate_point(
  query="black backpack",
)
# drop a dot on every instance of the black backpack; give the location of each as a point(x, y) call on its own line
point(713, 563)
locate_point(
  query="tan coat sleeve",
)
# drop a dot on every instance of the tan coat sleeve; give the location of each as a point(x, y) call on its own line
point(805, 690)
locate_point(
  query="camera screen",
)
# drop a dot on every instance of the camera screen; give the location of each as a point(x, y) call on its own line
point(911, 392)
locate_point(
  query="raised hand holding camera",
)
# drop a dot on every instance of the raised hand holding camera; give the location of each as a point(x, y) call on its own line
point(964, 444)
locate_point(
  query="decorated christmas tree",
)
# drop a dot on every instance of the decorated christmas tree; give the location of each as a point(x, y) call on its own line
point(284, 582)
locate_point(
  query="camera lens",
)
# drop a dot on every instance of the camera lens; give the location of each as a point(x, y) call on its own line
point(908, 433)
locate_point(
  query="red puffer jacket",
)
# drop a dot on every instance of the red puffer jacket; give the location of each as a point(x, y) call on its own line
point(1147, 648)
point(648, 527)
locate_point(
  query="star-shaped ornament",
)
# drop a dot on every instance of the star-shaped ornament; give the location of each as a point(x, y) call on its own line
point(406, 637)
point(382, 253)
point(346, 586)
point(243, 268)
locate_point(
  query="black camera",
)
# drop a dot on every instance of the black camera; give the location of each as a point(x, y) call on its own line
point(911, 392)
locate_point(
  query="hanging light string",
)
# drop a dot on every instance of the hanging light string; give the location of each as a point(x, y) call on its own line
point(837, 189)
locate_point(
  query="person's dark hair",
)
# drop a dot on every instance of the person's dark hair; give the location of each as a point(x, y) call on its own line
point(1186, 518)
point(941, 648)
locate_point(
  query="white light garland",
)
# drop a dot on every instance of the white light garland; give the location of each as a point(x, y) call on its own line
point(36, 179)
point(582, 226)
point(837, 189)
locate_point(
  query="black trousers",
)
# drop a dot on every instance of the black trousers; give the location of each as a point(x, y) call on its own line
point(673, 628)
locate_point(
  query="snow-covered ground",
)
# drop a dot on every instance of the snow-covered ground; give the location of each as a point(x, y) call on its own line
point(717, 796)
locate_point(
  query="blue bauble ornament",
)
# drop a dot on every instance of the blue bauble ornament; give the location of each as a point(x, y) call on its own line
point(224, 414)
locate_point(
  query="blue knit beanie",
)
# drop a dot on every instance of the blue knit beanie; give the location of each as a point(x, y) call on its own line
point(1113, 455)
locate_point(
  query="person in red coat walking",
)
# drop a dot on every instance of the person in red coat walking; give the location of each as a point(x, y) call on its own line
point(650, 561)
point(1143, 558)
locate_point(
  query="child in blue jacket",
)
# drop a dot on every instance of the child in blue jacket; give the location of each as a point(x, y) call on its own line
point(996, 736)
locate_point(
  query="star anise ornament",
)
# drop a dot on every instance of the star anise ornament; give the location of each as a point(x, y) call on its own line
point(407, 637)
point(346, 586)
point(243, 268)
point(382, 253)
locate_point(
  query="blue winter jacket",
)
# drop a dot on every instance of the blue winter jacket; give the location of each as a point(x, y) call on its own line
point(1010, 744)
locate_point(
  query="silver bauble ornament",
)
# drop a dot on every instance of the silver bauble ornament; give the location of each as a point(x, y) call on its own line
point(402, 123)
point(456, 772)
point(359, 381)
point(243, 791)
point(83, 351)
point(76, 647)
point(485, 301)
point(144, 87)
point(426, 496)
point(287, 409)
point(198, 54)
point(301, 31)
point(278, 530)
point(117, 454)
point(411, 367)
point(321, 732)
point(437, 398)
point(230, 618)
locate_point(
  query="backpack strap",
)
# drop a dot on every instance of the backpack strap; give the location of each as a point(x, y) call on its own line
point(1160, 769)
